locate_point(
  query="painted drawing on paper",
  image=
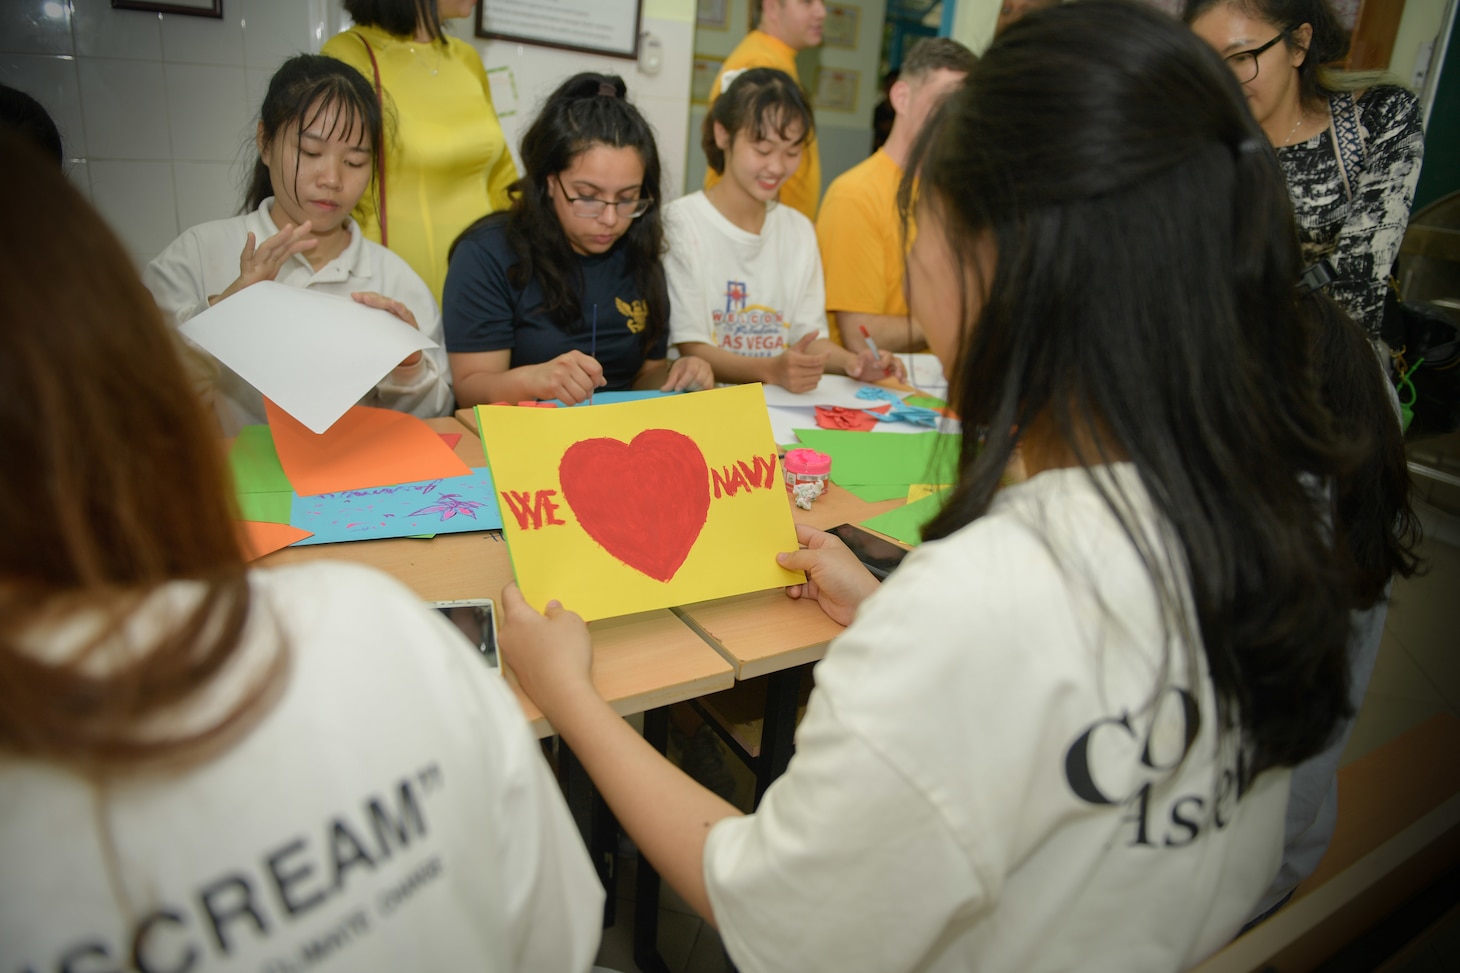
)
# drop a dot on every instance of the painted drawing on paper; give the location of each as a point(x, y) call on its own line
point(641, 505)
point(441, 506)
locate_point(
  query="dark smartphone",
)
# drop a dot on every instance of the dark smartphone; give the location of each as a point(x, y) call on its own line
point(877, 553)
point(477, 620)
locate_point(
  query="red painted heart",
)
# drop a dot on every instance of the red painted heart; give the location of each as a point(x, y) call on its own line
point(644, 502)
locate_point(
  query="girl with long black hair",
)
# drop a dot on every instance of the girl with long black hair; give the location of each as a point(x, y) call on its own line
point(1057, 736)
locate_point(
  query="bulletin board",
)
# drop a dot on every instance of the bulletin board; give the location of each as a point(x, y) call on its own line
point(608, 27)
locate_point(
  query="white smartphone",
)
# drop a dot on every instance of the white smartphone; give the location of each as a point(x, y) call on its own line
point(477, 619)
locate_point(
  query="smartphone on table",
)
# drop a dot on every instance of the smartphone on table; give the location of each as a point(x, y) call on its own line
point(878, 554)
point(477, 620)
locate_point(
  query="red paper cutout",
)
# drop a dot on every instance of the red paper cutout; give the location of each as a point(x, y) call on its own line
point(644, 502)
point(841, 417)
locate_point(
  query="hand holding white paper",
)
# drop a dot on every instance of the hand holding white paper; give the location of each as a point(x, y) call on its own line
point(314, 354)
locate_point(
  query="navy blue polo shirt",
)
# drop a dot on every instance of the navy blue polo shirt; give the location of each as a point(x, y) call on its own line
point(482, 311)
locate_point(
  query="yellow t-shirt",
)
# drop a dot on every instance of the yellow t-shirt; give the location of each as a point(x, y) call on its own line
point(859, 233)
point(446, 162)
point(760, 50)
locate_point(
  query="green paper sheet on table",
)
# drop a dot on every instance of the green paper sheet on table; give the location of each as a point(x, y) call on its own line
point(264, 492)
point(864, 458)
point(875, 492)
point(905, 523)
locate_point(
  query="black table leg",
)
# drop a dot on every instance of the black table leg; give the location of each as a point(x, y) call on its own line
point(646, 880)
point(778, 733)
point(595, 823)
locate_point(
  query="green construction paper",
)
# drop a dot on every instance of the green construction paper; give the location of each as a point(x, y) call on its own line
point(264, 492)
point(925, 401)
point(873, 492)
point(863, 457)
point(255, 463)
point(266, 508)
point(906, 522)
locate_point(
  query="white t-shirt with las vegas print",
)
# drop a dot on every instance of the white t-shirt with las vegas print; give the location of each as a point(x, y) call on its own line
point(750, 293)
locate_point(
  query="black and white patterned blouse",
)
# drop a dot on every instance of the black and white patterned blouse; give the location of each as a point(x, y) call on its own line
point(1361, 237)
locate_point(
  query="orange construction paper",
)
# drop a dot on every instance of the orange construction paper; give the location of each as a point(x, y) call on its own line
point(366, 448)
point(260, 538)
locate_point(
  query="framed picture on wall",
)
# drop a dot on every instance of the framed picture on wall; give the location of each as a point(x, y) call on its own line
point(713, 15)
point(193, 8)
point(702, 78)
point(608, 27)
point(841, 25)
point(836, 89)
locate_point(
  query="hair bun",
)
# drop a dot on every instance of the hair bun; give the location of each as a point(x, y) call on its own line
point(606, 89)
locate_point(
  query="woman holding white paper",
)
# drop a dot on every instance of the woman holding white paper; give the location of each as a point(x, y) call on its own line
point(319, 131)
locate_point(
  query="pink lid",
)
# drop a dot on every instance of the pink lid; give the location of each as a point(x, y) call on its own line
point(807, 461)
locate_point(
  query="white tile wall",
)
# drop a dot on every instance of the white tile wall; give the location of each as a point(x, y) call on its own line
point(157, 111)
point(207, 190)
point(124, 108)
point(79, 171)
point(101, 31)
point(137, 200)
point(256, 85)
point(37, 26)
point(208, 111)
point(272, 32)
point(203, 40)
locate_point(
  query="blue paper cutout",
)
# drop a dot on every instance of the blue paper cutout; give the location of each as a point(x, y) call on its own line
point(446, 506)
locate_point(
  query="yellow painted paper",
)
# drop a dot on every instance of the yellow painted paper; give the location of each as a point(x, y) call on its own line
point(917, 491)
point(625, 508)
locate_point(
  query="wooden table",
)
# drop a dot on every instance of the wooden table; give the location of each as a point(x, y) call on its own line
point(641, 662)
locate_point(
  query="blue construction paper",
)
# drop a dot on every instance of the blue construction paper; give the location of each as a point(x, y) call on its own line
point(447, 506)
point(609, 398)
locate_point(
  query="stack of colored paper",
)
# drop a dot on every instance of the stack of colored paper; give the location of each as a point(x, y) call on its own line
point(373, 474)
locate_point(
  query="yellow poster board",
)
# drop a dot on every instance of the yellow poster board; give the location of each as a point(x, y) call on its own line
point(613, 509)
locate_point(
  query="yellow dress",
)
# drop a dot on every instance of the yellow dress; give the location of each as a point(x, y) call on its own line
point(760, 50)
point(446, 160)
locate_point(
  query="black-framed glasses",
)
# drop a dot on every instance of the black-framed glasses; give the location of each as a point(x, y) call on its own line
point(1244, 63)
point(591, 207)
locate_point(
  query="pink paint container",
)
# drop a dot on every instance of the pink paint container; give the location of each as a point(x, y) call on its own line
point(806, 473)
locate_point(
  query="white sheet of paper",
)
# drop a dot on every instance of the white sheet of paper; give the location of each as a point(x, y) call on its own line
point(314, 354)
point(785, 420)
point(832, 390)
point(925, 372)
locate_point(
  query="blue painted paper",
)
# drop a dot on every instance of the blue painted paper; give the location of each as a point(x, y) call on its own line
point(451, 505)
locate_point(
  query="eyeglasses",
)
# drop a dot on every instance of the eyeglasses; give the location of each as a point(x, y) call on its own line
point(591, 207)
point(1244, 63)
